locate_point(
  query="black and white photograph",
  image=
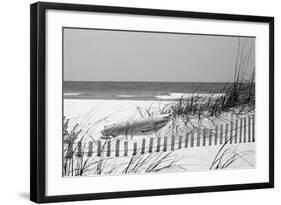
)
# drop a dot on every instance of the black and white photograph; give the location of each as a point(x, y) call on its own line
point(134, 102)
point(140, 102)
point(143, 102)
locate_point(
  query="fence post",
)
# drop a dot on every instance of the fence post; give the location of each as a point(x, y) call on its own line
point(108, 148)
point(236, 131)
point(180, 142)
point(198, 136)
point(245, 129)
point(150, 145)
point(90, 148)
point(99, 148)
point(249, 128)
point(241, 130)
point(231, 132)
point(192, 138)
point(69, 153)
point(143, 146)
point(204, 136)
point(210, 137)
point(135, 148)
point(158, 144)
point(117, 148)
point(186, 139)
point(125, 148)
point(221, 133)
point(165, 144)
point(253, 128)
point(226, 133)
point(216, 135)
point(173, 142)
point(79, 152)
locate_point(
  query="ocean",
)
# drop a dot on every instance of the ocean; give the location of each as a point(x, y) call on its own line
point(138, 90)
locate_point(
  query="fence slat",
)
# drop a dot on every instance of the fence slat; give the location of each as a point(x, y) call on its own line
point(180, 142)
point(173, 142)
point(117, 148)
point(198, 136)
point(236, 131)
point(226, 133)
point(79, 148)
point(253, 128)
point(158, 144)
point(165, 144)
point(186, 139)
point(99, 148)
point(204, 136)
point(245, 129)
point(150, 145)
point(231, 132)
point(192, 138)
point(249, 129)
point(241, 130)
point(126, 148)
point(135, 148)
point(216, 135)
point(221, 134)
point(108, 148)
point(210, 137)
point(90, 148)
point(143, 146)
point(69, 150)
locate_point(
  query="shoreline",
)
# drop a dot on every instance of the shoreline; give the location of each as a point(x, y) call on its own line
point(138, 97)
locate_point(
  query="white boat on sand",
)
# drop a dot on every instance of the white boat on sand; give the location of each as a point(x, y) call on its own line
point(135, 127)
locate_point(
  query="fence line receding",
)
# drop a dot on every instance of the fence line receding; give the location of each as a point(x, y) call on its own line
point(237, 131)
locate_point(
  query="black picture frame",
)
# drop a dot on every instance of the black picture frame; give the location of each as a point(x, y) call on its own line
point(38, 100)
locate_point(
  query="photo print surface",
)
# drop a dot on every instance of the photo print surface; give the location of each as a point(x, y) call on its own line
point(137, 102)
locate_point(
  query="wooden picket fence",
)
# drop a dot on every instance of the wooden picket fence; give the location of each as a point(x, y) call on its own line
point(236, 131)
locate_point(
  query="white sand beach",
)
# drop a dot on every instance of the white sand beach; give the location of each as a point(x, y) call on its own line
point(93, 115)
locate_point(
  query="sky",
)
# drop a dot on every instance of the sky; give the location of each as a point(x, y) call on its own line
point(106, 55)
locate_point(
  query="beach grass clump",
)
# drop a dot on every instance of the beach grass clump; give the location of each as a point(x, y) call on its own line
point(84, 165)
point(72, 165)
point(237, 96)
point(156, 162)
point(241, 93)
point(135, 164)
point(70, 134)
point(227, 156)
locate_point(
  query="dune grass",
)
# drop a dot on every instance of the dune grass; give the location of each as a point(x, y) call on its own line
point(238, 97)
point(84, 165)
point(227, 156)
